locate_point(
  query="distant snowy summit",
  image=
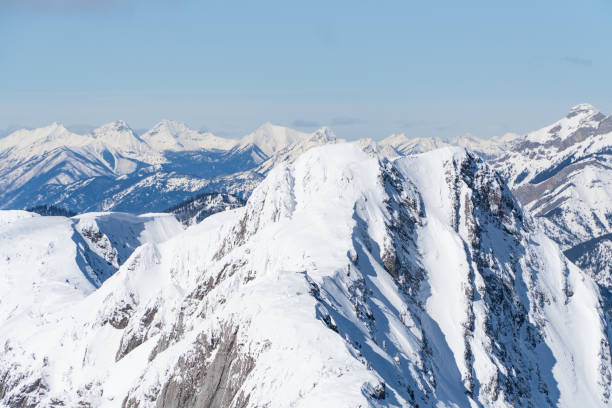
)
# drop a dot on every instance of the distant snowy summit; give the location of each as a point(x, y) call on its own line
point(119, 137)
point(112, 168)
point(167, 135)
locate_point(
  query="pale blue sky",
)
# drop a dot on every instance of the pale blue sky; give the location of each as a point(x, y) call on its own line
point(366, 68)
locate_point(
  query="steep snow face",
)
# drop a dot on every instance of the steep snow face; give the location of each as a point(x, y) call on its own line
point(508, 266)
point(47, 262)
point(272, 138)
point(344, 281)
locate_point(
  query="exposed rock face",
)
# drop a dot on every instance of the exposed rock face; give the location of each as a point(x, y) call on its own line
point(196, 209)
point(343, 281)
point(210, 376)
point(563, 175)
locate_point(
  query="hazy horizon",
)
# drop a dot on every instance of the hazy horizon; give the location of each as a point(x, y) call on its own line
point(365, 70)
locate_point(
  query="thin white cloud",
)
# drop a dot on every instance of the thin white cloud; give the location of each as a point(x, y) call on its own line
point(578, 61)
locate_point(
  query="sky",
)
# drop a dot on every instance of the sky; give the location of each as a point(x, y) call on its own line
point(364, 68)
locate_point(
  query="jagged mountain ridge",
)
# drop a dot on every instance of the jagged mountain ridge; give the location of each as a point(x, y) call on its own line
point(547, 167)
point(562, 174)
point(422, 277)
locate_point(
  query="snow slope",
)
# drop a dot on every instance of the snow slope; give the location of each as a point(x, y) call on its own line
point(10, 216)
point(47, 262)
point(344, 281)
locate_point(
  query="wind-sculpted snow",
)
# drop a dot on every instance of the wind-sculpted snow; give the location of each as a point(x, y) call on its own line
point(49, 261)
point(344, 281)
point(10, 216)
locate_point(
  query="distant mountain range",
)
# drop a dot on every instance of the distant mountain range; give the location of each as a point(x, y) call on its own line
point(111, 168)
point(114, 169)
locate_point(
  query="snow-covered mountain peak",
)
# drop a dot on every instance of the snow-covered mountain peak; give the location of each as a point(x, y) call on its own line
point(46, 133)
point(313, 181)
point(170, 126)
point(585, 109)
point(175, 136)
point(117, 141)
point(115, 126)
point(561, 173)
point(376, 149)
point(116, 134)
point(506, 138)
point(404, 145)
point(485, 147)
point(323, 134)
point(291, 152)
point(54, 127)
point(26, 142)
point(468, 140)
point(397, 138)
point(582, 121)
point(273, 138)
